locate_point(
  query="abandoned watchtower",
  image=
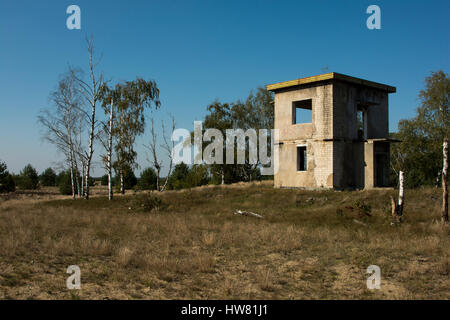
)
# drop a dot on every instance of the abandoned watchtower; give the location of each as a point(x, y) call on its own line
point(333, 132)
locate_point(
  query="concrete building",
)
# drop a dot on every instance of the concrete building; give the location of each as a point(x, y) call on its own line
point(333, 132)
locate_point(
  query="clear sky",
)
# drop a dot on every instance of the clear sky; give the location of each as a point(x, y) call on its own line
point(198, 51)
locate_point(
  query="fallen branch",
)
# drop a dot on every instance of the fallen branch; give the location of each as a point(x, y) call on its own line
point(359, 222)
point(248, 213)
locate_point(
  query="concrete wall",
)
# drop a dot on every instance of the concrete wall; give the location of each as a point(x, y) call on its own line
point(381, 161)
point(348, 164)
point(354, 163)
point(336, 158)
point(369, 172)
point(322, 122)
point(319, 153)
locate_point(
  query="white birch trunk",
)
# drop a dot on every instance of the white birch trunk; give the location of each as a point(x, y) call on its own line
point(77, 181)
point(72, 160)
point(168, 174)
point(122, 186)
point(82, 178)
point(72, 182)
point(400, 193)
point(445, 182)
point(157, 180)
point(110, 188)
point(91, 150)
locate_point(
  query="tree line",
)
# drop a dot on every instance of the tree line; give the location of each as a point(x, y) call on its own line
point(420, 154)
point(87, 111)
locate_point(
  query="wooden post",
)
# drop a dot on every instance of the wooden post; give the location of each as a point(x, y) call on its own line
point(444, 182)
point(394, 209)
point(400, 193)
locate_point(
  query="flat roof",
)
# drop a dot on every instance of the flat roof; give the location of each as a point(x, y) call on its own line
point(328, 76)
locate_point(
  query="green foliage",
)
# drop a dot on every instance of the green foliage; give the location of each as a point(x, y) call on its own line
point(48, 178)
point(7, 183)
point(362, 207)
point(419, 154)
point(183, 177)
point(198, 175)
point(147, 180)
point(151, 203)
point(129, 178)
point(255, 113)
point(130, 100)
point(91, 182)
point(104, 180)
point(65, 183)
point(178, 178)
point(28, 178)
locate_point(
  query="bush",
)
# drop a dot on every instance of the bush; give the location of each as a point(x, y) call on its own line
point(150, 203)
point(48, 178)
point(198, 176)
point(104, 180)
point(6, 180)
point(362, 207)
point(147, 180)
point(65, 183)
point(28, 178)
point(129, 179)
point(178, 178)
point(91, 182)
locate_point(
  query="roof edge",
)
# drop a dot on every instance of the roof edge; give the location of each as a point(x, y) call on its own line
point(328, 76)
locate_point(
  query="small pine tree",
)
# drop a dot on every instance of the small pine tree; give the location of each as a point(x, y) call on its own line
point(198, 176)
point(28, 178)
point(147, 180)
point(6, 180)
point(65, 183)
point(48, 178)
point(178, 178)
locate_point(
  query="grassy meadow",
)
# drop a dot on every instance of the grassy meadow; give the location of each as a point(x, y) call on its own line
point(189, 244)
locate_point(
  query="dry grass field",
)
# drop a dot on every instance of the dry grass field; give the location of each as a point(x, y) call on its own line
point(307, 246)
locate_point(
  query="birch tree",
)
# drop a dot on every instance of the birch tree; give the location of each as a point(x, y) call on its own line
point(59, 122)
point(420, 151)
point(444, 214)
point(91, 91)
point(154, 158)
point(109, 98)
point(125, 107)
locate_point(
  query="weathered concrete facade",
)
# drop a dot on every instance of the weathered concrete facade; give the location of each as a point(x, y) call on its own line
point(335, 149)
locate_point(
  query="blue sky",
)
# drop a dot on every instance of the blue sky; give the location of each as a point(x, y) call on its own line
point(198, 51)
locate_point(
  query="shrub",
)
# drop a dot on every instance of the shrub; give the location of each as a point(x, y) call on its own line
point(65, 183)
point(147, 180)
point(48, 178)
point(151, 203)
point(198, 176)
point(28, 178)
point(6, 180)
point(178, 178)
point(362, 207)
point(104, 180)
point(91, 182)
point(129, 179)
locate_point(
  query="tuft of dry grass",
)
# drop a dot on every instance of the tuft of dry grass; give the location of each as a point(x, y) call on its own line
point(193, 247)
